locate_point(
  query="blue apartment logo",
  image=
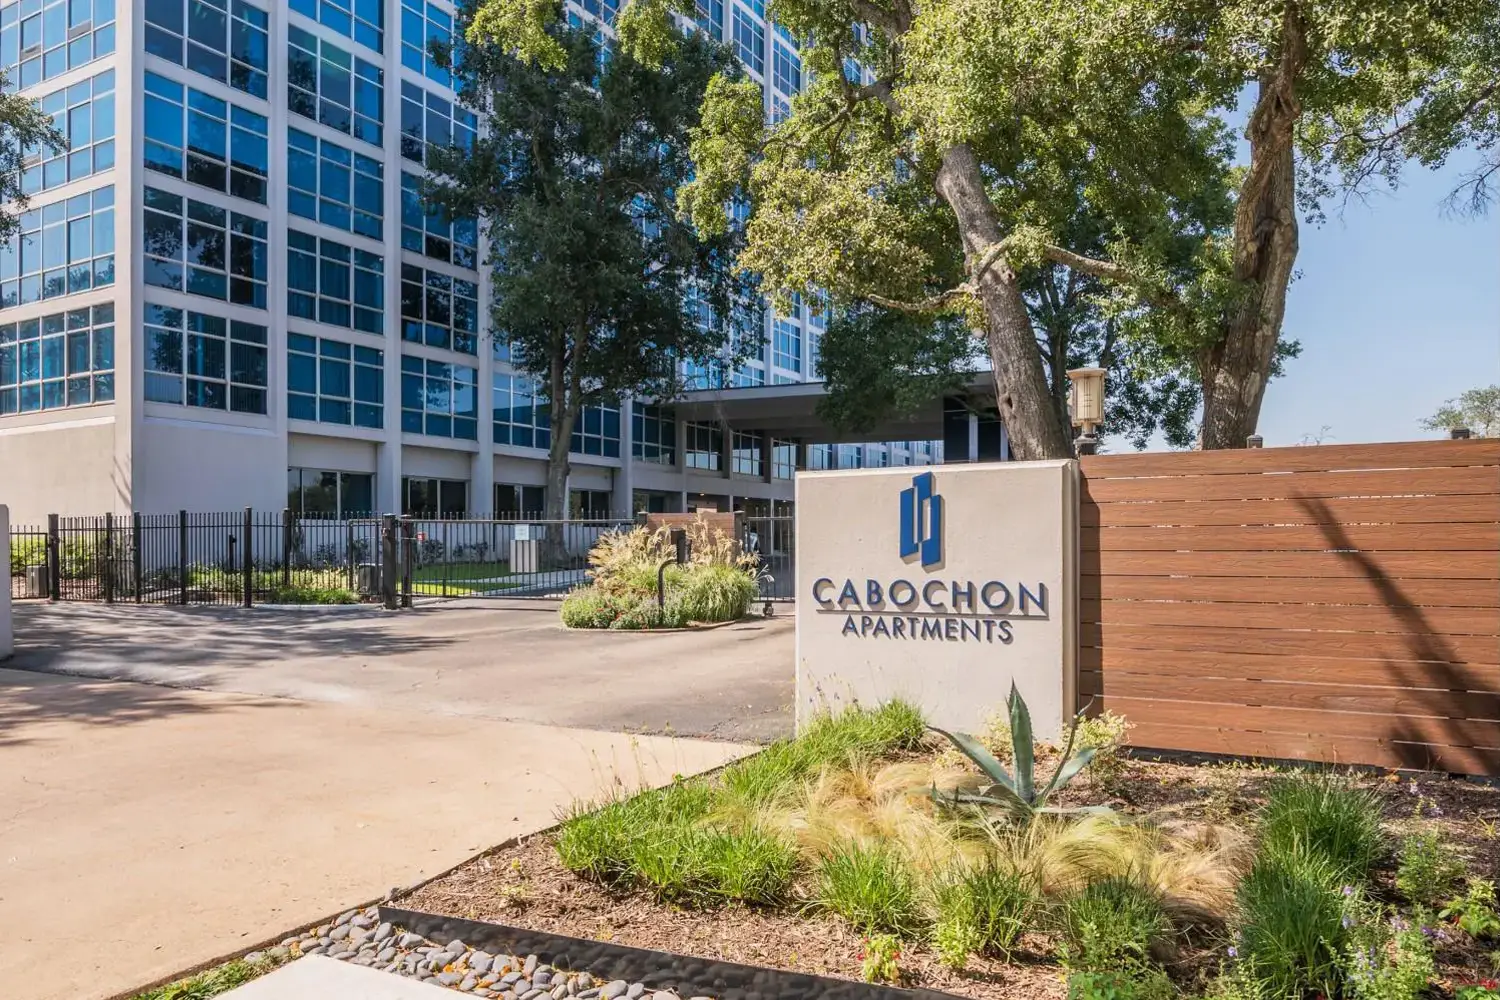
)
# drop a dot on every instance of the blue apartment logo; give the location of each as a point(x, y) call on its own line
point(922, 521)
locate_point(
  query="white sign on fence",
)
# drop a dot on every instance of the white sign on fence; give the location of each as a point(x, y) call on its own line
point(939, 585)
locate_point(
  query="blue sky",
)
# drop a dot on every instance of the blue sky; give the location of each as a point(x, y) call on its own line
point(1397, 308)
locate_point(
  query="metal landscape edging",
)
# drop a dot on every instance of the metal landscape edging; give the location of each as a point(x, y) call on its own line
point(689, 976)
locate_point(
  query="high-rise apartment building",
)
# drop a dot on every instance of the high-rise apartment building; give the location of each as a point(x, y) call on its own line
point(227, 292)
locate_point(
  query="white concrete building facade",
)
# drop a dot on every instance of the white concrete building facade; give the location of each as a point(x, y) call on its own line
point(226, 293)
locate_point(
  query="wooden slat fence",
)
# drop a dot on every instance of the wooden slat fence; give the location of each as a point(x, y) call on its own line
point(1335, 603)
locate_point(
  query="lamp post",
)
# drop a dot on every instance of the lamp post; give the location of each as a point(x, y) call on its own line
point(1086, 404)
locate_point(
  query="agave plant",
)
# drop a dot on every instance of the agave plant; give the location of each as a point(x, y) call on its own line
point(1018, 794)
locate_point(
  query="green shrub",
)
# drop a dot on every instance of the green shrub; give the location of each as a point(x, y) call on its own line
point(595, 841)
point(605, 841)
point(587, 607)
point(717, 593)
point(306, 593)
point(1112, 924)
point(27, 550)
point(856, 732)
point(980, 909)
point(1291, 922)
point(870, 886)
point(750, 865)
point(1326, 815)
point(1385, 958)
point(1428, 872)
point(1131, 984)
point(1474, 911)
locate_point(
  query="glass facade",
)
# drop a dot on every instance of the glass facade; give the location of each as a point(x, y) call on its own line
point(322, 493)
point(702, 446)
point(328, 85)
point(361, 20)
point(653, 434)
point(439, 310)
point(202, 249)
point(64, 359)
point(203, 140)
point(430, 119)
point(198, 359)
point(333, 185)
point(786, 347)
point(85, 114)
point(333, 283)
point(427, 230)
point(747, 460)
point(422, 25)
point(62, 248)
point(439, 399)
point(333, 382)
point(225, 40)
point(41, 40)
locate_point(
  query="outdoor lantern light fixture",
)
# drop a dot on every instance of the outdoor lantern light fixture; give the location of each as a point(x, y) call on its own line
point(1086, 404)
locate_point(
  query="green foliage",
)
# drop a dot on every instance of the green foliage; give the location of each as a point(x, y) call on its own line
point(1112, 924)
point(981, 909)
point(1325, 815)
point(1291, 929)
point(751, 865)
point(212, 983)
point(573, 178)
point(880, 961)
point(1474, 911)
point(26, 550)
point(1386, 957)
point(1476, 409)
point(855, 733)
point(1428, 871)
point(310, 593)
point(1131, 984)
point(1487, 990)
point(871, 886)
point(587, 607)
point(25, 131)
point(1016, 795)
point(716, 593)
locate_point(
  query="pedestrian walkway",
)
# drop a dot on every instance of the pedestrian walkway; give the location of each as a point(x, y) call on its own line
point(319, 978)
point(160, 828)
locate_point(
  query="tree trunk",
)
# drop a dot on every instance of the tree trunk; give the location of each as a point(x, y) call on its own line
point(564, 414)
point(1235, 370)
point(1021, 392)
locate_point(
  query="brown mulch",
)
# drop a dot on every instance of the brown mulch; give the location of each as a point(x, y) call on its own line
point(525, 885)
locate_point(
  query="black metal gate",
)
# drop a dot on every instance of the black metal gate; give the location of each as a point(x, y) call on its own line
point(774, 540)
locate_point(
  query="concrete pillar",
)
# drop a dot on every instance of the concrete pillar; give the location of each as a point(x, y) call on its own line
point(623, 500)
point(799, 454)
point(482, 479)
point(973, 455)
point(767, 456)
point(388, 464)
point(726, 451)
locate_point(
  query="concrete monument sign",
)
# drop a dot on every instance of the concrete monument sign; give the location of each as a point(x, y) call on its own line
point(939, 585)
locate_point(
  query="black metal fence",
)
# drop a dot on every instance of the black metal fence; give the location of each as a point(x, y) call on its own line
point(277, 557)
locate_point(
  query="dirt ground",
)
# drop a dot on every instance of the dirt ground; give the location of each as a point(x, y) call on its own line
point(526, 886)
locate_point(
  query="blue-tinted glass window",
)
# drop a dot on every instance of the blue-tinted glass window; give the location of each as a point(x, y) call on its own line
point(226, 40)
point(64, 247)
point(40, 39)
point(710, 17)
point(426, 29)
point(331, 283)
point(786, 348)
point(65, 359)
point(85, 114)
point(204, 140)
point(334, 382)
point(192, 246)
point(522, 419)
point(702, 446)
point(199, 359)
point(427, 230)
point(439, 310)
point(429, 119)
point(439, 399)
point(361, 20)
point(654, 436)
point(330, 86)
point(750, 38)
point(334, 185)
point(786, 68)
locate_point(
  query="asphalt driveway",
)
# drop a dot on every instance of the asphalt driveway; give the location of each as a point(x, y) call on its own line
point(505, 660)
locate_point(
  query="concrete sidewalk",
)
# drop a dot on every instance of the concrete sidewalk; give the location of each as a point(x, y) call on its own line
point(145, 829)
point(319, 978)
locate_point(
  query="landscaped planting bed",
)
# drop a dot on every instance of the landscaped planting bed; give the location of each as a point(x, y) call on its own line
point(845, 853)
